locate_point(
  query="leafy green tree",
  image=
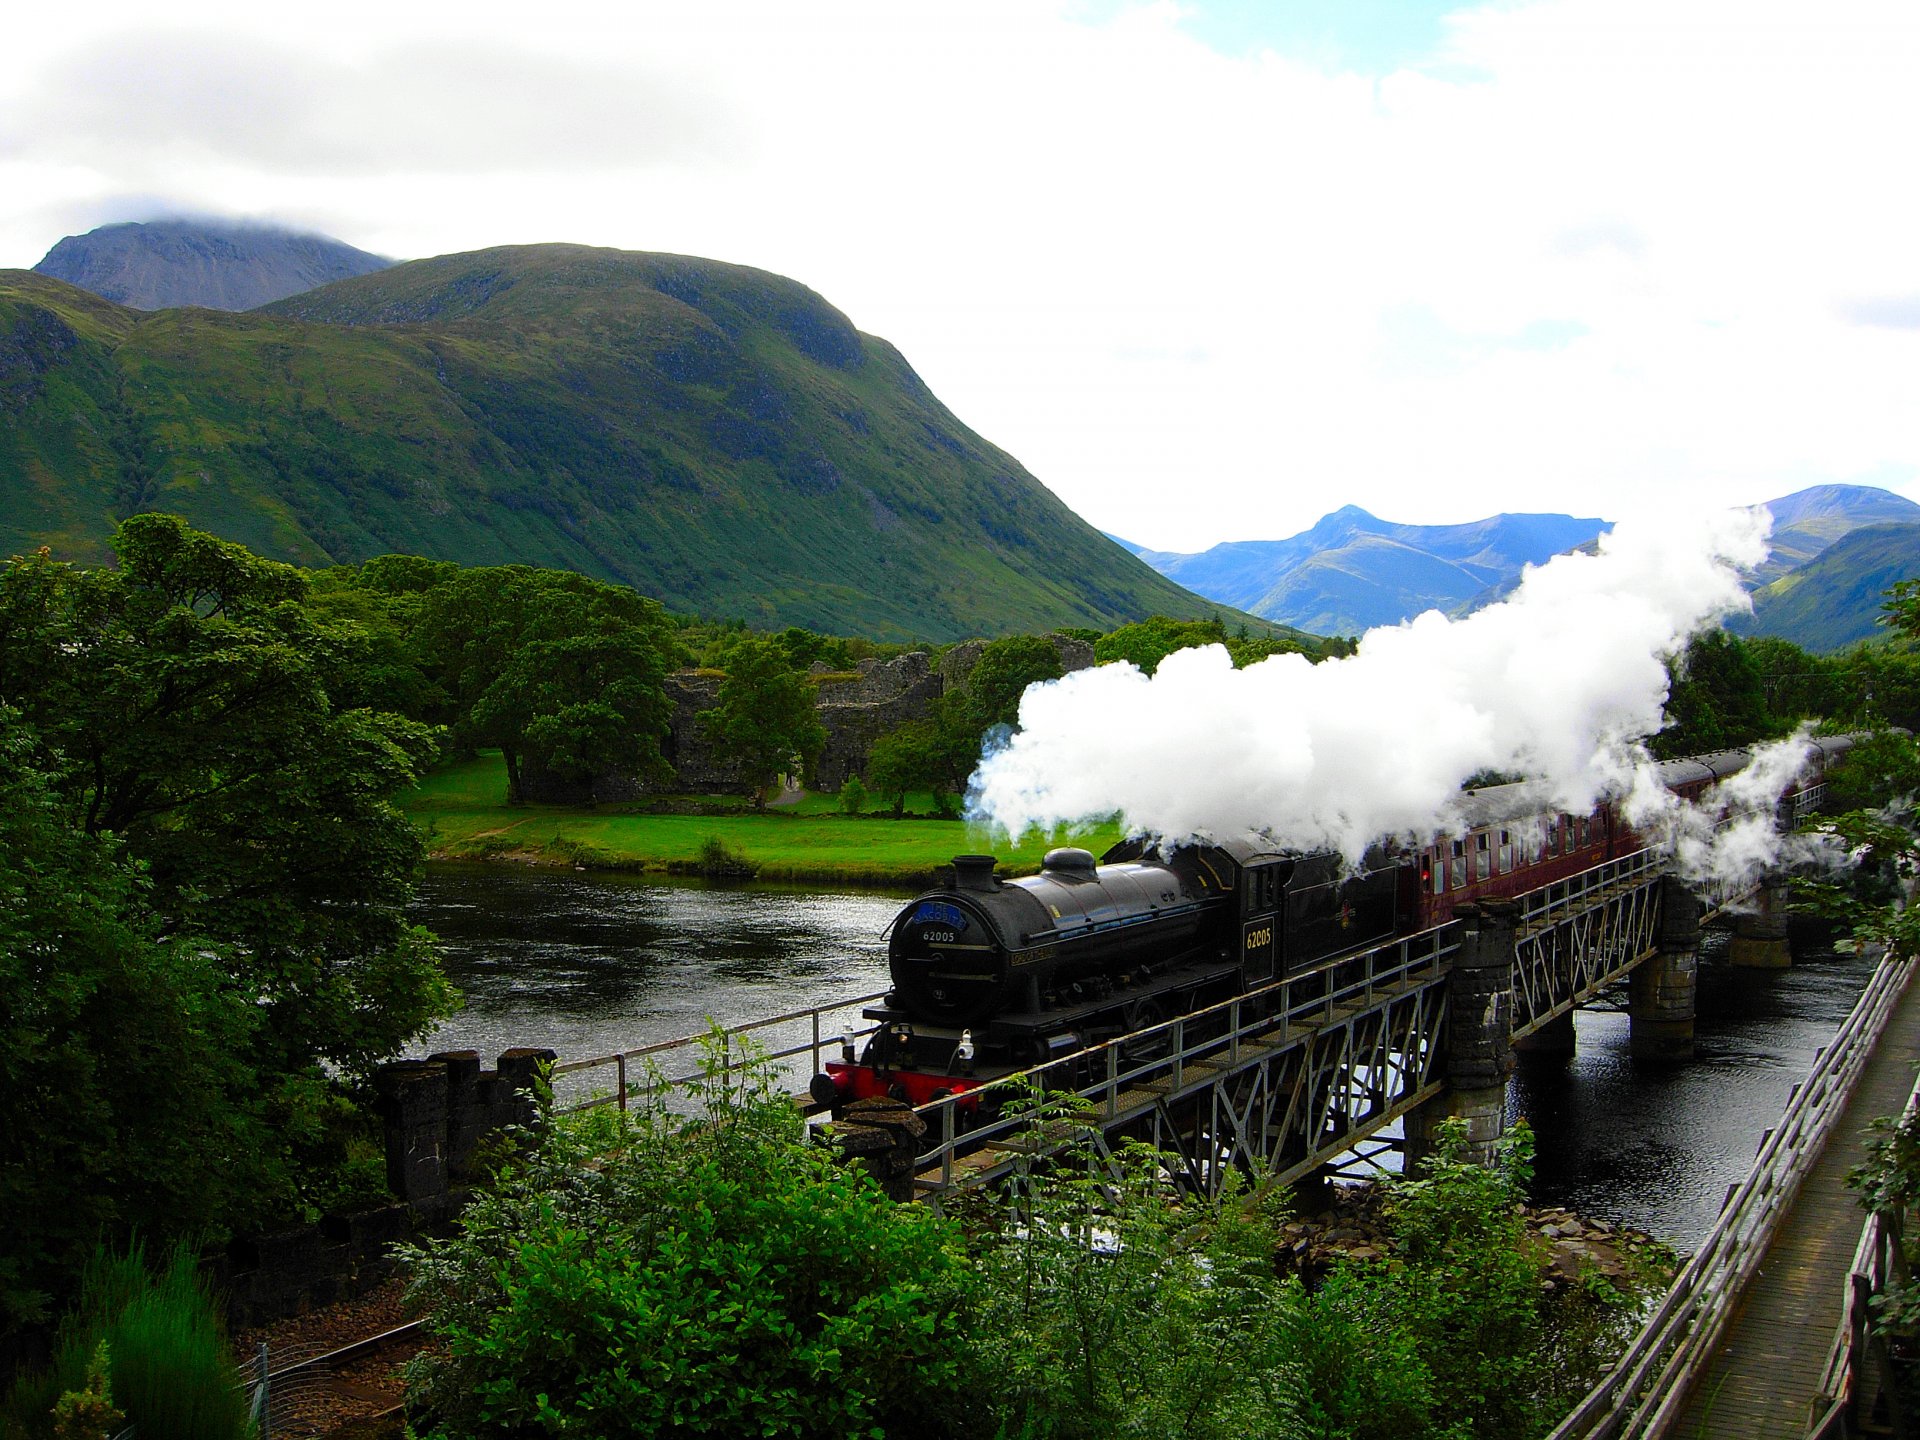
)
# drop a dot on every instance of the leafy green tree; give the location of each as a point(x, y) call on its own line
point(566, 675)
point(935, 754)
point(183, 702)
point(763, 718)
point(1147, 642)
point(128, 1103)
point(1716, 698)
point(647, 1274)
point(1001, 675)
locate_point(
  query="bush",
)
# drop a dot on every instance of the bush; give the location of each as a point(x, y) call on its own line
point(1105, 1305)
point(149, 1345)
point(853, 796)
point(647, 1274)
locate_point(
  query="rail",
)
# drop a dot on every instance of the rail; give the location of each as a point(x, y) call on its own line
point(1156, 1059)
point(643, 1070)
point(1876, 1259)
point(1643, 1393)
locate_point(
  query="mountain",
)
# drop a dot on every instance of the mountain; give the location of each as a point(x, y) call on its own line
point(1352, 571)
point(1806, 522)
point(1834, 600)
point(716, 436)
point(215, 264)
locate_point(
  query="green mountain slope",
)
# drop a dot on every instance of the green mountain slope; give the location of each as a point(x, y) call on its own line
point(1834, 600)
point(1808, 521)
point(716, 436)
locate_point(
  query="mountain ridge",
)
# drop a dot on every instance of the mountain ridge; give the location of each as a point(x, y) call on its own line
point(717, 436)
point(213, 264)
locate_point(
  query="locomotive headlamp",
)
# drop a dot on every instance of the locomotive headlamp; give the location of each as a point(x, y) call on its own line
point(846, 1049)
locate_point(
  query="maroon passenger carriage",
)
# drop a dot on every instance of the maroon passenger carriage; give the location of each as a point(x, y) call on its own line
point(991, 976)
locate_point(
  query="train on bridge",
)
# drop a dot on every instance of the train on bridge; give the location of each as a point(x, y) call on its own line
point(993, 976)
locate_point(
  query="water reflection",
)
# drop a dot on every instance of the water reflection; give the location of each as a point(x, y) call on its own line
point(588, 963)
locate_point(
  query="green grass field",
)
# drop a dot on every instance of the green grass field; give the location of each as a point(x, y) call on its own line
point(463, 809)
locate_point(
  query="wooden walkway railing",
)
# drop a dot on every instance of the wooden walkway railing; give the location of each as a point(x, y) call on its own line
point(1646, 1392)
point(1858, 1364)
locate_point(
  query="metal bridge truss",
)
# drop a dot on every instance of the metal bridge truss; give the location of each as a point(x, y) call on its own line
point(1575, 937)
point(1272, 1084)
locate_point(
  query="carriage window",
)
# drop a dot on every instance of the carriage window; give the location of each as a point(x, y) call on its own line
point(1459, 862)
point(1437, 868)
point(1482, 857)
point(1566, 834)
point(1506, 852)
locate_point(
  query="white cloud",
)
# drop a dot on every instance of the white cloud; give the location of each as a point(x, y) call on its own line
point(1657, 248)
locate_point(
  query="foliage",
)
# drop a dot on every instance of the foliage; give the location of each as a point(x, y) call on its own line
point(128, 1103)
point(853, 796)
point(89, 1412)
point(1716, 699)
point(1001, 675)
point(763, 717)
point(647, 1274)
point(566, 675)
point(1104, 1305)
point(1148, 642)
point(167, 1364)
point(182, 702)
point(1362, 1374)
point(936, 754)
point(1467, 1289)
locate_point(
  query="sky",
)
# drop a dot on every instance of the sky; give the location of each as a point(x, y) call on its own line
point(1209, 270)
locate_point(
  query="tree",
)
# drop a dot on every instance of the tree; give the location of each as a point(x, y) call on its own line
point(763, 718)
point(1001, 675)
point(1716, 698)
point(183, 703)
point(128, 1103)
point(936, 754)
point(1147, 642)
point(566, 675)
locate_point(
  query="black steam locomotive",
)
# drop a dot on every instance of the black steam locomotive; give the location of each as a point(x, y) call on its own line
point(992, 976)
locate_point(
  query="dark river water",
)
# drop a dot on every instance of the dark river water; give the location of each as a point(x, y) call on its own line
point(589, 963)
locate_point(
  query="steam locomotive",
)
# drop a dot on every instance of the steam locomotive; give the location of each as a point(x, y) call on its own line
point(992, 976)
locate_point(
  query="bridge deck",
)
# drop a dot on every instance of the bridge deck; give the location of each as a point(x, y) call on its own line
point(1763, 1381)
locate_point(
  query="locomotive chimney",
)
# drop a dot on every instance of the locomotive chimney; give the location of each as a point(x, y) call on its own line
point(974, 872)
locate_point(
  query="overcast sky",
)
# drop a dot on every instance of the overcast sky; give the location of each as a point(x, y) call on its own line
point(1209, 269)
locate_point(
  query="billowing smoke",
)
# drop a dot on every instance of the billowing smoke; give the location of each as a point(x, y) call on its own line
point(1560, 683)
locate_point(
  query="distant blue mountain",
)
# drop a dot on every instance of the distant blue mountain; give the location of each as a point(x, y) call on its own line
point(1353, 570)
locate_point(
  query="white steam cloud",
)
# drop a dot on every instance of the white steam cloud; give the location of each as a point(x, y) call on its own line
point(1560, 683)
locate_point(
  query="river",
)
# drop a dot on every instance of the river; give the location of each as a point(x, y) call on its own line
point(589, 963)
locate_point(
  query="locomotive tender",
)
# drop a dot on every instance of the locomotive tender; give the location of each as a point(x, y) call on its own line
point(993, 976)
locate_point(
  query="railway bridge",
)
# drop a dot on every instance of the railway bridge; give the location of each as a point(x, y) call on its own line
point(1311, 1073)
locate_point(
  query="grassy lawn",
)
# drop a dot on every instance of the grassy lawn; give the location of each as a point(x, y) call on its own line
point(464, 811)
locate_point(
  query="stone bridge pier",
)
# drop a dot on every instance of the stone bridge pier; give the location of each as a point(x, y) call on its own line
point(1479, 1037)
point(1760, 932)
point(1663, 988)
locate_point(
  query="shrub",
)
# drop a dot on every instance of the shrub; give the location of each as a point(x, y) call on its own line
point(853, 796)
point(647, 1274)
point(150, 1345)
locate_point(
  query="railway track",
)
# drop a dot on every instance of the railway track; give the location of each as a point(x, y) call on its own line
point(311, 1391)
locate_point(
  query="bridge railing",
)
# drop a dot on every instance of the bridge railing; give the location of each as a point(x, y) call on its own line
point(1643, 1394)
point(1843, 1382)
point(1554, 901)
point(669, 1064)
point(1168, 1055)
